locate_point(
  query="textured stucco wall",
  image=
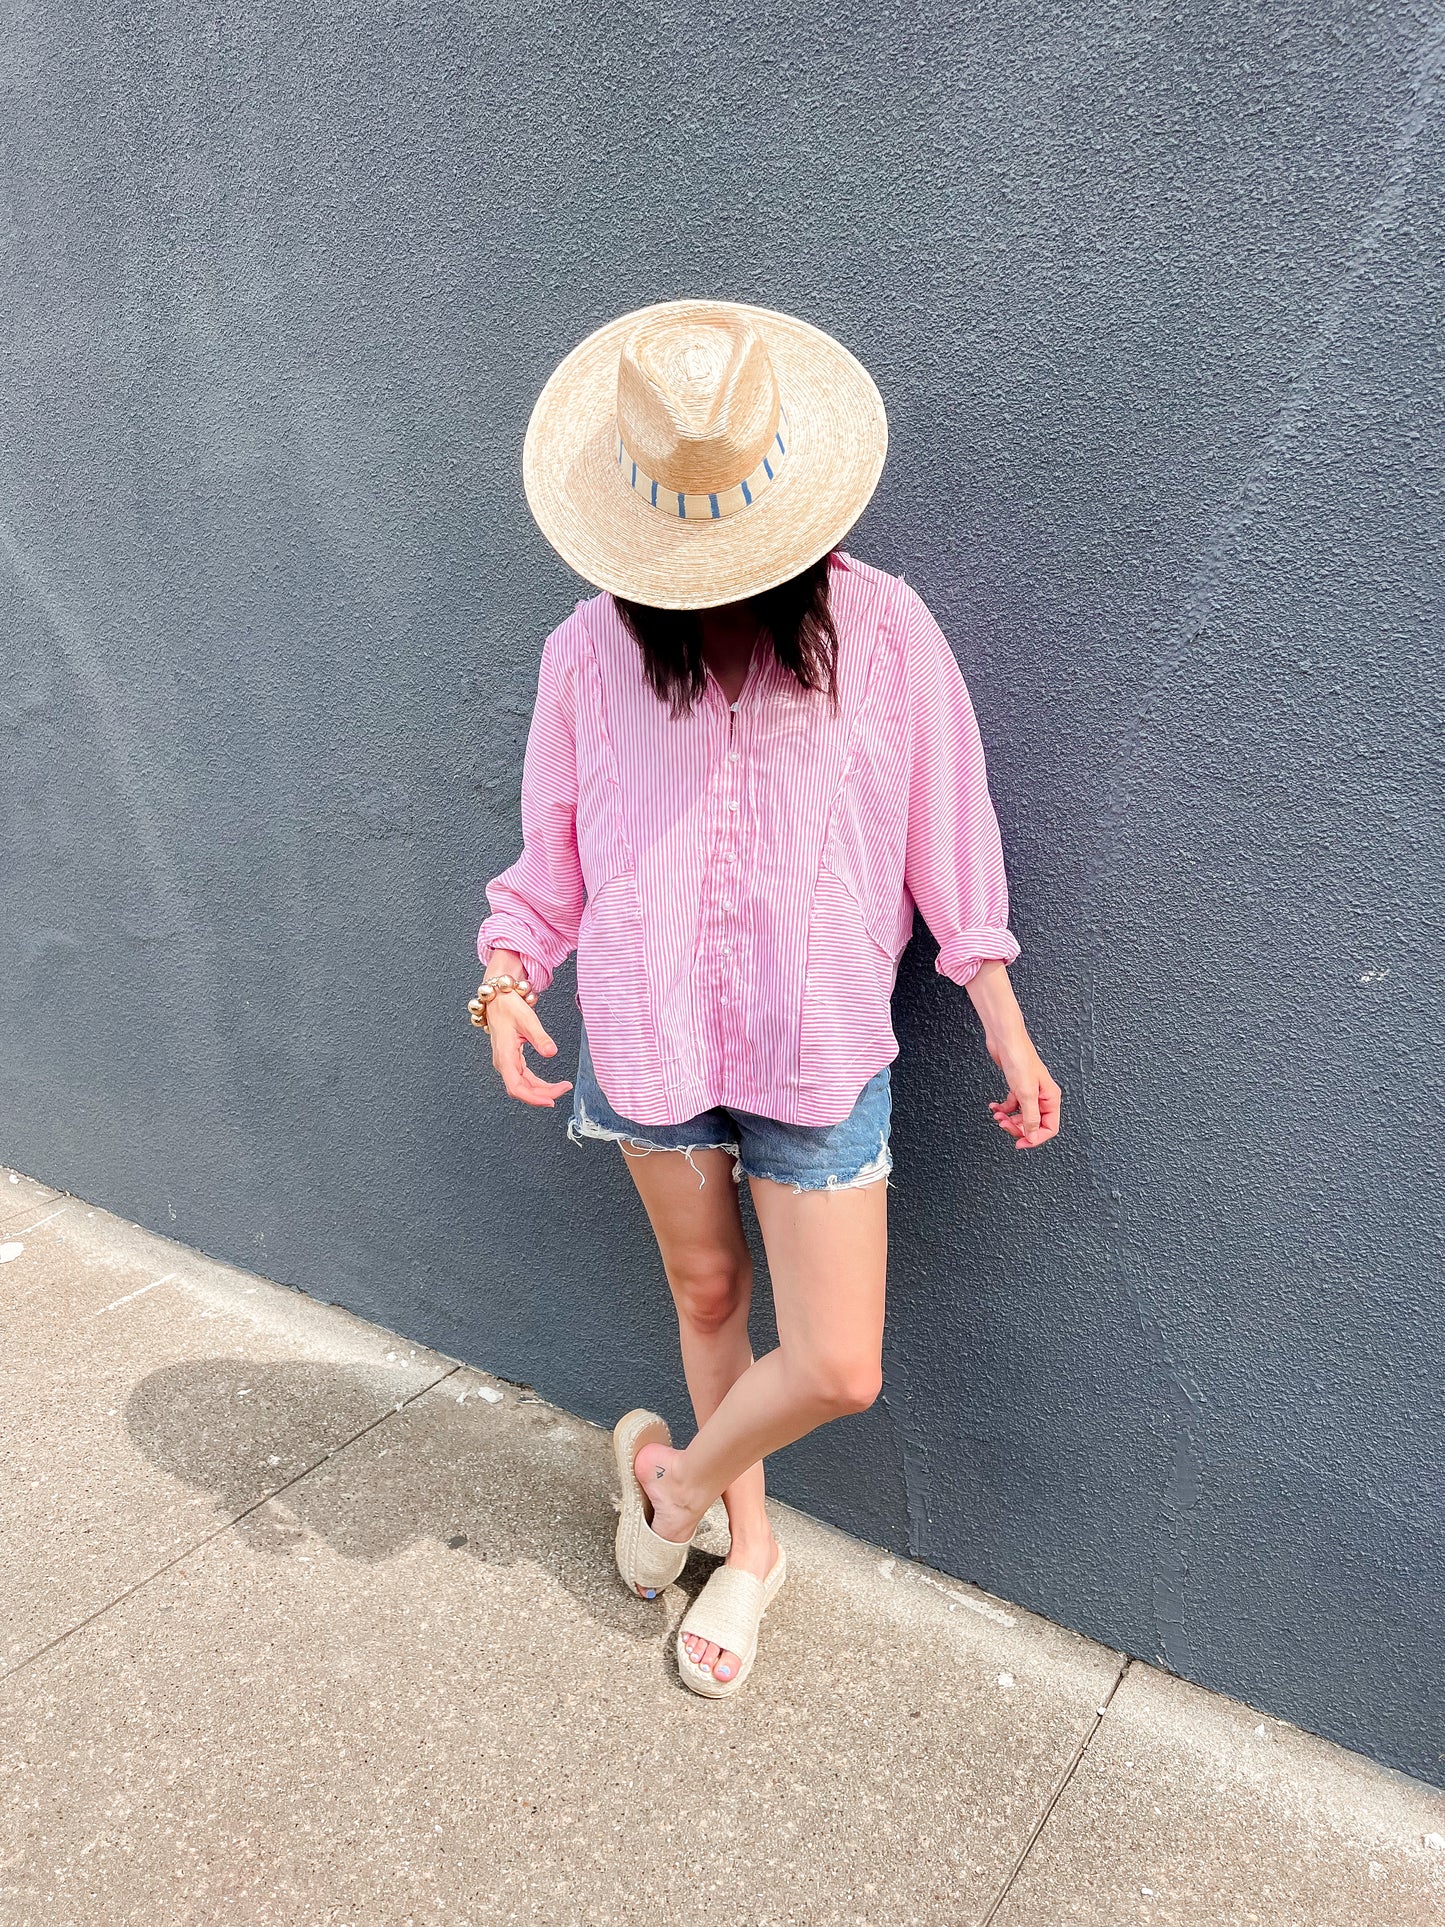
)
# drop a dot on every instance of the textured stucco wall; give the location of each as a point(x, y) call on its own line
point(1152, 294)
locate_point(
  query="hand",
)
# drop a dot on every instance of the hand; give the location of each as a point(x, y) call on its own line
point(1030, 1112)
point(511, 1023)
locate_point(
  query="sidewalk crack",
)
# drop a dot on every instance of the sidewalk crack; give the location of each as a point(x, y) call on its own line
point(227, 1525)
point(991, 1913)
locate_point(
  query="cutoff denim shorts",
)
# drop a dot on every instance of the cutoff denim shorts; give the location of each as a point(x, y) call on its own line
point(809, 1157)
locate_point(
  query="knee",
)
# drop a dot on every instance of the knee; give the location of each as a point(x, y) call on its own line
point(846, 1385)
point(708, 1296)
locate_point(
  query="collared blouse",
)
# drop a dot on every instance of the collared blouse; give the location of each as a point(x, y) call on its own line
point(739, 882)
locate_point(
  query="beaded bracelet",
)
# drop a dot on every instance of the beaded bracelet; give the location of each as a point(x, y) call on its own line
point(493, 988)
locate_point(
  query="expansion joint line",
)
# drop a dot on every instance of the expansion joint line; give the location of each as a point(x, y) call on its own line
point(1080, 1750)
point(226, 1525)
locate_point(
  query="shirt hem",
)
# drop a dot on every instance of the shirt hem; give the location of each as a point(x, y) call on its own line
point(816, 1111)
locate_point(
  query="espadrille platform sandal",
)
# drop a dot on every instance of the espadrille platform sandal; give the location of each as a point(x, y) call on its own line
point(728, 1612)
point(644, 1557)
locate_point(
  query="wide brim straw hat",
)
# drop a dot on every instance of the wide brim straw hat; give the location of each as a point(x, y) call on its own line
point(698, 452)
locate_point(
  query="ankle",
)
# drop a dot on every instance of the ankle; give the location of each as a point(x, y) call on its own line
point(750, 1536)
point(661, 1473)
point(678, 1494)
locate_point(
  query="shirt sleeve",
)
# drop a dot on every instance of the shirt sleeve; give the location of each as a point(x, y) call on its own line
point(953, 865)
point(536, 904)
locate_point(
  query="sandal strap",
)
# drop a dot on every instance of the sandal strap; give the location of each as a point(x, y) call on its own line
point(727, 1610)
point(656, 1561)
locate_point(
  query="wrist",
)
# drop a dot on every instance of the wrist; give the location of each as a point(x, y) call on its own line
point(1012, 1042)
point(992, 996)
point(498, 986)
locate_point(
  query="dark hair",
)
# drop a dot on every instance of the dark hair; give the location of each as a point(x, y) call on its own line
point(795, 617)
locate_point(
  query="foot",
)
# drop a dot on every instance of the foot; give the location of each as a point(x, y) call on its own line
point(668, 1511)
point(755, 1555)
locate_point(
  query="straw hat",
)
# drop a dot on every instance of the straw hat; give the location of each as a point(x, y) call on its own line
point(698, 452)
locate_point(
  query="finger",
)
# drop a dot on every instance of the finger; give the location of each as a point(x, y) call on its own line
point(1048, 1124)
point(536, 1033)
point(531, 1093)
point(520, 1020)
point(518, 1077)
point(510, 1068)
point(1028, 1099)
point(1006, 1104)
point(538, 1090)
point(534, 1089)
point(510, 1029)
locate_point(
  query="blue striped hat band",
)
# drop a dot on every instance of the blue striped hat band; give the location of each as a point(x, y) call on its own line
point(707, 508)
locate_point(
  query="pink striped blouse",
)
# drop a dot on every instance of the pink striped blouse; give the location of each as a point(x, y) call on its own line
point(739, 883)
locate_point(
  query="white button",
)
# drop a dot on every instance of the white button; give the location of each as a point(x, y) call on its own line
point(733, 803)
point(732, 705)
point(733, 755)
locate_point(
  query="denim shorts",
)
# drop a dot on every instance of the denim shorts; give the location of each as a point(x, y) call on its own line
point(809, 1157)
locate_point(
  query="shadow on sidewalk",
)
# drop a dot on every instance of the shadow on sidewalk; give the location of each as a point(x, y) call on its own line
point(517, 1482)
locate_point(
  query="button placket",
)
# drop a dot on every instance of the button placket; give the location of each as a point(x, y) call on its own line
point(723, 899)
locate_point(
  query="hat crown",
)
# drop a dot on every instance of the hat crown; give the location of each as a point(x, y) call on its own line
point(697, 399)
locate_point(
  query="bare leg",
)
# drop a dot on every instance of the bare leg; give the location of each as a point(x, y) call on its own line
point(699, 1231)
point(828, 1255)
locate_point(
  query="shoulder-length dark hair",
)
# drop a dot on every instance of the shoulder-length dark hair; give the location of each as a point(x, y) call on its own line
point(795, 618)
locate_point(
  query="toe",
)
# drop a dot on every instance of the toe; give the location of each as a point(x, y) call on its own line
point(726, 1666)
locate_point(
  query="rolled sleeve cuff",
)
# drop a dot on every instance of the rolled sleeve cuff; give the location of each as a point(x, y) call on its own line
point(962, 956)
point(499, 936)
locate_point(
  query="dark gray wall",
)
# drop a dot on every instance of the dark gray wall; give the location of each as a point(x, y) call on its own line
point(1152, 296)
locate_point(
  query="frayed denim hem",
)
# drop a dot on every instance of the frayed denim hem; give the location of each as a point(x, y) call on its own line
point(633, 1146)
point(868, 1173)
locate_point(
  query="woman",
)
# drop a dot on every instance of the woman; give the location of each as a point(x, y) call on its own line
point(751, 756)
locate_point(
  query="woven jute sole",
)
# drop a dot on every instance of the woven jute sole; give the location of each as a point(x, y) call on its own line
point(644, 1557)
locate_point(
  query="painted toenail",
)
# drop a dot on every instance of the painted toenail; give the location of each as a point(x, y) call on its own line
point(650, 1593)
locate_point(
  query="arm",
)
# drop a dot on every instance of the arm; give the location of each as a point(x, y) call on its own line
point(954, 870)
point(1030, 1112)
point(536, 903)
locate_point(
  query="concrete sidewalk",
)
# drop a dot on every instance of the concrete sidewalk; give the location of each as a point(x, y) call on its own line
point(308, 1625)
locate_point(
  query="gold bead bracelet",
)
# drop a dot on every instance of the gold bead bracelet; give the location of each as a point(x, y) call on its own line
point(492, 988)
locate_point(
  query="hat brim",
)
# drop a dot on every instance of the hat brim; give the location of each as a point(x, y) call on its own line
point(616, 540)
